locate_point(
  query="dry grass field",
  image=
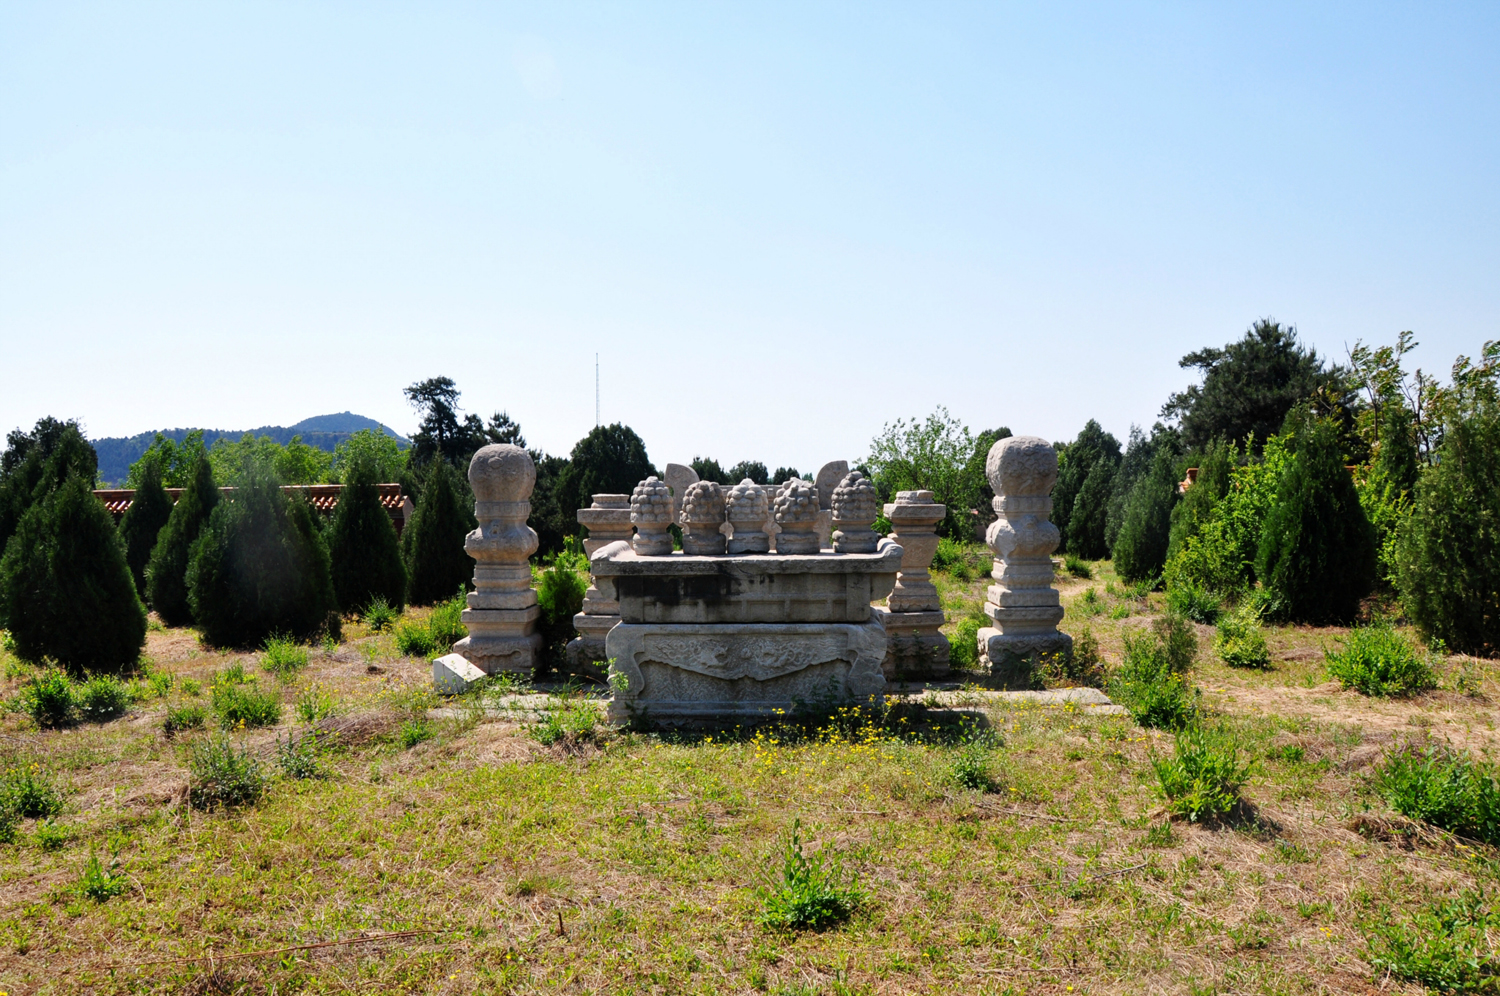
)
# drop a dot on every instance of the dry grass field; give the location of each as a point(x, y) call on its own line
point(511, 844)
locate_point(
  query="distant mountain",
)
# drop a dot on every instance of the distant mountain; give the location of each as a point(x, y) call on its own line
point(324, 432)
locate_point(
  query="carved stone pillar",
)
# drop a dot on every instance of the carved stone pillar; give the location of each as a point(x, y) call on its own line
point(608, 521)
point(703, 520)
point(651, 513)
point(1023, 604)
point(502, 613)
point(914, 617)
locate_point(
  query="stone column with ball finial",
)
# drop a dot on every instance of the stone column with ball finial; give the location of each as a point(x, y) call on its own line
point(502, 610)
point(1022, 602)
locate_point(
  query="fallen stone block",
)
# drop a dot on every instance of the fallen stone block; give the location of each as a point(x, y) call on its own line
point(453, 674)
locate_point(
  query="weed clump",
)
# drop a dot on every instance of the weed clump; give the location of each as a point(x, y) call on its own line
point(438, 632)
point(380, 615)
point(237, 703)
point(101, 882)
point(414, 731)
point(1202, 779)
point(1152, 682)
point(49, 699)
point(184, 717)
point(1443, 788)
point(1187, 599)
point(29, 792)
point(1377, 660)
point(1240, 642)
point(283, 656)
point(1084, 667)
point(221, 776)
point(300, 757)
point(102, 697)
point(808, 893)
point(1077, 567)
point(575, 722)
point(1445, 947)
point(314, 704)
point(963, 652)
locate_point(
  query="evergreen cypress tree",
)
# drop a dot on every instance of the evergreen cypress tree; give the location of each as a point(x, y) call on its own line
point(1317, 548)
point(38, 463)
point(1141, 549)
point(1090, 516)
point(143, 521)
point(1197, 505)
point(259, 567)
point(362, 544)
point(433, 541)
point(166, 574)
point(1075, 463)
point(66, 587)
point(1397, 460)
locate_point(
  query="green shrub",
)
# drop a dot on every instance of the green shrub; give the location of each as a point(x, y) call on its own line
point(1445, 947)
point(1219, 554)
point(414, 731)
point(1140, 550)
point(183, 717)
point(379, 615)
point(101, 882)
point(300, 757)
point(49, 699)
point(1082, 668)
point(1239, 640)
point(260, 568)
point(29, 792)
point(447, 621)
point(575, 722)
point(1198, 504)
point(1151, 682)
point(65, 587)
point(1378, 660)
point(219, 776)
point(160, 683)
point(808, 893)
point(362, 544)
point(143, 522)
point(1089, 604)
point(1444, 788)
point(559, 594)
point(245, 705)
point(52, 836)
point(166, 574)
point(1317, 550)
point(971, 767)
point(283, 656)
point(101, 698)
point(314, 704)
point(1203, 777)
point(432, 544)
point(8, 822)
point(1448, 550)
point(414, 639)
point(1192, 602)
point(1078, 568)
point(963, 654)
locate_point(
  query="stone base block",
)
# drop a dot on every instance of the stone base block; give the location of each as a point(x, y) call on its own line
point(1011, 656)
point(452, 675)
point(493, 655)
point(915, 647)
point(711, 674)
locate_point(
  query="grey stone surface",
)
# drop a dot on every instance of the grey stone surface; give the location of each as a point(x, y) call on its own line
point(679, 478)
point(914, 619)
point(796, 512)
point(452, 674)
point(703, 518)
point(1023, 603)
point(747, 510)
point(652, 513)
point(856, 506)
point(502, 610)
point(826, 481)
point(608, 521)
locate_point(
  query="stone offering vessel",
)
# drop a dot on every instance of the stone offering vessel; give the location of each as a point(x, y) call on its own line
point(651, 514)
point(914, 617)
point(703, 520)
point(747, 509)
point(502, 610)
point(796, 512)
point(1023, 604)
point(856, 506)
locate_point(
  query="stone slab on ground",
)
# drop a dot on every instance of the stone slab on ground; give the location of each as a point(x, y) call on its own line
point(453, 674)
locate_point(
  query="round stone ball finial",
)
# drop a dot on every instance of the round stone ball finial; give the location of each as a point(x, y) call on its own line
point(502, 472)
point(856, 506)
point(702, 515)
point(746, 507)
point(1021, 465)
point(797, 510)
point(651, 514)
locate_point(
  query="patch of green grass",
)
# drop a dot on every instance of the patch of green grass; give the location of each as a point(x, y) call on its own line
point(245, 705)
point(221, 776)
point(1445, 947)
point(102, 698)
point(1439, 786)
point(1377, 660)
point(1088, 604)
point(808, 893)
point(29, 791)
point(414, 731)
point(575, 722)
point(283, 657)
point(1202, 778)
point(51, 835)
point(1077, 567)
point(189, 716)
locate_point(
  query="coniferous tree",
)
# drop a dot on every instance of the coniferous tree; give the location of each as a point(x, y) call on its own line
point(148, 513)
point(362, 544)
point(37, 463)
point(259, 568)
point(1075, 462)
point(1090, 516)
point(1396, 460)
point(432, 544)
point(66, 587)
point(1317, 547)
point(1140, 551)
point(1197, 505)
point(166, 574)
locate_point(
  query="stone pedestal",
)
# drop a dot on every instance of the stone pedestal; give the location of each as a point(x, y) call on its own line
point(502, 610)
point(914, 616)
point(1022, 603)
point(608, 521)
point(714, 640)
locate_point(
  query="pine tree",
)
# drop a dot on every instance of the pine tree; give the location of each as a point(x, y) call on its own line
point(362, 544)
point(66, 587)
point(1141, 549)
point(1317, 548)
point(166, 574)
point(259, 568)
point(144, 520)
point(433, 542)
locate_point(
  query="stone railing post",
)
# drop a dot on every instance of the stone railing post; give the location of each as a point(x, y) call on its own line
point(608, 521)
point(1023, 604)
point(502, 613)
point(914, 617)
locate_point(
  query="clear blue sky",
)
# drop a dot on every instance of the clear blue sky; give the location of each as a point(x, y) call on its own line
point(779, 225)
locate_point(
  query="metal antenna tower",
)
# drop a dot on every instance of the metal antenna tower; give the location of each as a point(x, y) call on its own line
point(596, 390)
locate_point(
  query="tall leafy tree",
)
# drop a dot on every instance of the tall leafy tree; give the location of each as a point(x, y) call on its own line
point(708, 469)
point(362, 546)
point(611, 459)
point(174, 460)
point(166, 573)
point(148, 513)
point(432, 544)
point(1317, 548)
point(65, 586)
point(1076, 462)
point(1250, 385)
point(377, 448)
point(1140, 550)
point(753, 470)
point(936, 454)
point(260, 568)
